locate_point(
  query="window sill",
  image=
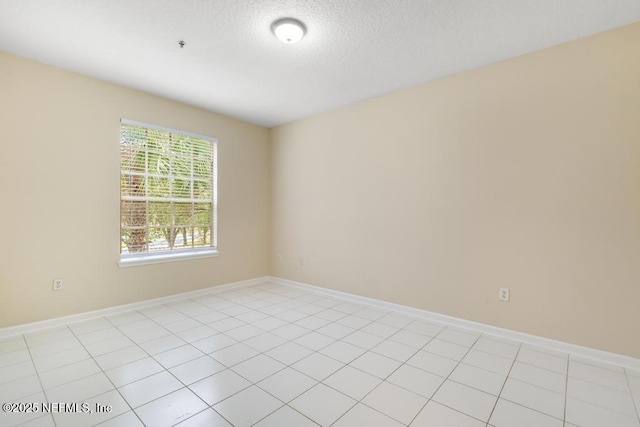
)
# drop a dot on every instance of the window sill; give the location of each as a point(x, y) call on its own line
point(133, 261)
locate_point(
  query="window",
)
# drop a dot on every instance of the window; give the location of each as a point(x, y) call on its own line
point(167, 194)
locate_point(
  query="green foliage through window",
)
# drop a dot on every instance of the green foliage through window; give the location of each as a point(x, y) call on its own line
point(167, 190)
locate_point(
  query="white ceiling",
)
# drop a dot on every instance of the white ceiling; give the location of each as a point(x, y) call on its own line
point(232, 63)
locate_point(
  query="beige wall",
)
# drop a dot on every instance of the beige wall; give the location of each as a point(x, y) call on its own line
point(59, 178)
point(523, 174)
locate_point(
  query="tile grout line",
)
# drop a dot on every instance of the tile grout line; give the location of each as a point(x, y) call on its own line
point(513, 362)
point(345, 314)
point(137, 344)
point(238, 300)
point(602, 385)
point(606, 408)
point(369, 322)
point(447, 377)
point(185, 386)
point(540, 346)
point(533, 385)
point(566, 393)
point(461, 362)
point(404, 328)
point(542, 388)
point(317, 351)
point(504, 383)
point(250, 381)
point(354, 313)
point(26, 343)
point(360, 401)
point(228, 368)
point(107, 377)
point(633, 400)
point(255, 384)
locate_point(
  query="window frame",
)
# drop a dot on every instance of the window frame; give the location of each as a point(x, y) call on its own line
point(180, 254)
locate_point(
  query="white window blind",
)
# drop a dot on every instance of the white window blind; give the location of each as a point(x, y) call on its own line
point(167, 190)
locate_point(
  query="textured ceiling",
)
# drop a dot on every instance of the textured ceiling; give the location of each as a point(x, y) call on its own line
point(232, 63)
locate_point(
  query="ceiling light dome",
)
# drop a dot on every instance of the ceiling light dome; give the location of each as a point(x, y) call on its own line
point(288, 30)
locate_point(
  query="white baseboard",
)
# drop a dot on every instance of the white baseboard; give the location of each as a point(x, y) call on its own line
point(61, 321)
point(560, 346)
point(554, 345)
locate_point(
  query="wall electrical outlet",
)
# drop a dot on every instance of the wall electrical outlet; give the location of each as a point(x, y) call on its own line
point(57, 284)
point(279, 258)
point(503, 294)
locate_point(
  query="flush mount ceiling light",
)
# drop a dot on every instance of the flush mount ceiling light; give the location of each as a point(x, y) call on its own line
point(288, 30)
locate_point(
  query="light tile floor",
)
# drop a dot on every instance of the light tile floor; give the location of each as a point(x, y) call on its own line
point(272, 355)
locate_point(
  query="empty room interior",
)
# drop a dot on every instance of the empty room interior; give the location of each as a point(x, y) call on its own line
point(322, 213)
